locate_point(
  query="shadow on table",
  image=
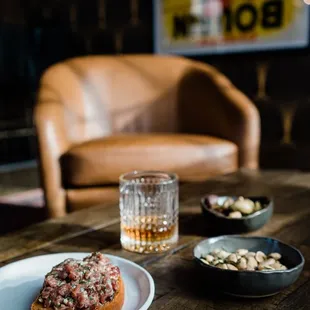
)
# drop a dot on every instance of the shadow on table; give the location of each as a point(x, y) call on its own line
point(92, 240)
point(17, 217)
point(196, 225)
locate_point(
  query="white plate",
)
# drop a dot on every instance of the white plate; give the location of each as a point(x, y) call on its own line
point(20, 282)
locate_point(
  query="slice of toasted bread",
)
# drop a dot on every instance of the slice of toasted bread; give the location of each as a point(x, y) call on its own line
point(115, 304)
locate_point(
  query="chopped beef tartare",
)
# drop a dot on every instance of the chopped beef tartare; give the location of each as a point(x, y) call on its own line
point(80, 284)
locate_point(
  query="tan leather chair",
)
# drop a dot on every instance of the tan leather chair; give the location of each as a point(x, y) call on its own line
point(190, 120)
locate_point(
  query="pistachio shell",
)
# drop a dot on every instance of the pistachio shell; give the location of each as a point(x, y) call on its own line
point(217, 261)
point(242, 265)
point(209, 258)
point(204, 261)
point(252, 263)
point(250, 254)
point(223, 254)
point(232, 267)
point(260, 256)
point(216, 206)
point(276, 256)
point(242, 252)
point(215, 252)
point(232, 258)
point(261, 266)
point(269, 261)
point(242, 259)
point(227, 203)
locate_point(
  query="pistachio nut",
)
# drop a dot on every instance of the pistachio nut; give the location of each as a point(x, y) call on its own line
point(245, 206)
point(227, 203)
point(216, 206)
point(257, 206)
point(235, 215)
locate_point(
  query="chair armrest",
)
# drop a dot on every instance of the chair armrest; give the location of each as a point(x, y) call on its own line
point(210, 104)
point(53, 142)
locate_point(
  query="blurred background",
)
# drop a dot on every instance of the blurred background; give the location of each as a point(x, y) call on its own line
point(36, 34)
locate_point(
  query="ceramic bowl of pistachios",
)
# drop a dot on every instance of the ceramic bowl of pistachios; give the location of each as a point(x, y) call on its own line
point(234, 215)
point(248, 266)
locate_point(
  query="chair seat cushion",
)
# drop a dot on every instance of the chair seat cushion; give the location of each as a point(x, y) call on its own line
point(192, 157)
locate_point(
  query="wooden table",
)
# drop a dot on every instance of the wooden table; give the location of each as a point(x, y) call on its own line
point(178, 282)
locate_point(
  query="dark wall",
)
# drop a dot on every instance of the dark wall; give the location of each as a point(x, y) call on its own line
point(39, 33)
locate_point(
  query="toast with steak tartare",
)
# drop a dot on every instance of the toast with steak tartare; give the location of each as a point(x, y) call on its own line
point(93, 283)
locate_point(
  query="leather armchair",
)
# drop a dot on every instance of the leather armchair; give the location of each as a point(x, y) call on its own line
point(100, 116)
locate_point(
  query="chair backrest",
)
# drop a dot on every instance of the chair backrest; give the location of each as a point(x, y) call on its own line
point(102, 95)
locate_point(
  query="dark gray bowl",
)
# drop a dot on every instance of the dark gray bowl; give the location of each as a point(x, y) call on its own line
point(224, 225)
point(250, 283)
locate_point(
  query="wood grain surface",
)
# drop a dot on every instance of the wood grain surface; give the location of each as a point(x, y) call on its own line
point(178, 280)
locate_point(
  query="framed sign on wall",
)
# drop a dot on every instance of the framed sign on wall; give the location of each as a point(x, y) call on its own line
point(192, 27)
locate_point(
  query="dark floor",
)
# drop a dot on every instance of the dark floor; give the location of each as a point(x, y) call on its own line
point(16, 217)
